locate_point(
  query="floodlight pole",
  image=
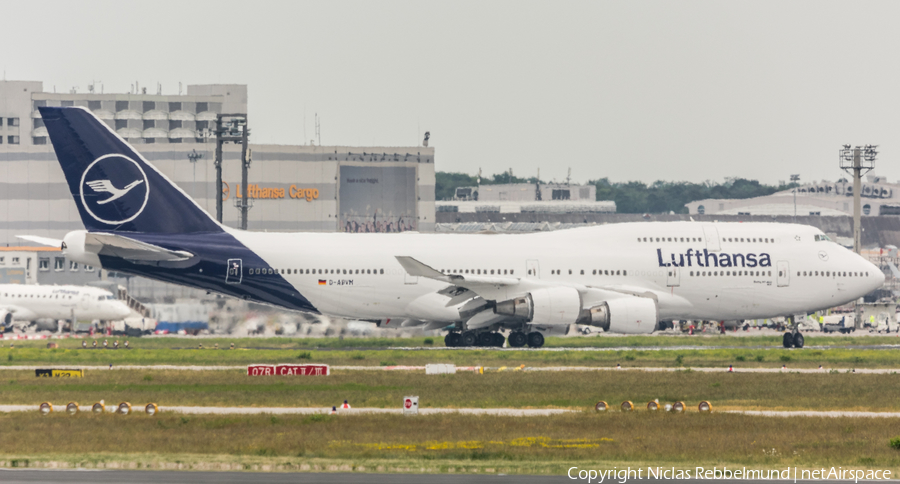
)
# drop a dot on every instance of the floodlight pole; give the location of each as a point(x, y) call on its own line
point(857, 161)
point(218, 165)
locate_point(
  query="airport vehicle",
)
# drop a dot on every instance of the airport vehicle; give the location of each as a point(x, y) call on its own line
point(622, 278)
point(36, 304)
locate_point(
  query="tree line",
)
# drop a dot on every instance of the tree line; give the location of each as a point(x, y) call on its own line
point(630, 197)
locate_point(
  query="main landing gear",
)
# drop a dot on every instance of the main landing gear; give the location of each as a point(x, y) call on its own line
point(487, 339)
point(518, 339)
point(792, 338)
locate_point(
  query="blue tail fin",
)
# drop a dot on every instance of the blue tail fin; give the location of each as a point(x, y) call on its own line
point(116, 190)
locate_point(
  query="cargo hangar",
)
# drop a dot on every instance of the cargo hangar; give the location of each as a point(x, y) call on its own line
point(302, 187)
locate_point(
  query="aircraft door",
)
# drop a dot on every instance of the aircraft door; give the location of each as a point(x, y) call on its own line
point(784, 273)
point(85, 301)
point(234, 271)
point(674, 276)
point(711, 234)
point(532, 269)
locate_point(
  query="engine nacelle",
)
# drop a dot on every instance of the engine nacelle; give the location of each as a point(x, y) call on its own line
point(6, 319)
point(630, 315)
point(74, 249)
point(550, 306)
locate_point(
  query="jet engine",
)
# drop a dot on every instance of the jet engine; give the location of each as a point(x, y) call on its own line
point(6, 319)
point(550, 306)
point(74, 249)
point(633, 315)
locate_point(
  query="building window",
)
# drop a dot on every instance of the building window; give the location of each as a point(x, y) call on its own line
point(202, 107)
point(67, 104)
point(174, 124)
point(37, 104)
point(149, 123)
point(121, 123)
point(174, 107)
point(39, 140)
point(149, 106)
point(43, 264)
point(12, 121)
point(59, 264)
point(201, 125)
point(88, 268)
point(94, 105)
point(121, 105)
point(701, 209)
point(866, 208)
point(14, 140)
point(2, 261)
point(73, 266)
point(38, 123)
point(15, 261)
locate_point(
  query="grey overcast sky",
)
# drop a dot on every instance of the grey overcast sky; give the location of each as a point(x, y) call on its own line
point(631, 90)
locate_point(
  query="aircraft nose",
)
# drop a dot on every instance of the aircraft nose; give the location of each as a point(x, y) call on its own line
point(122, 310)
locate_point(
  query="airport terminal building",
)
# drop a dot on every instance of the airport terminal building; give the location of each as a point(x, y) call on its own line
point(879, 198)
point(293, 187)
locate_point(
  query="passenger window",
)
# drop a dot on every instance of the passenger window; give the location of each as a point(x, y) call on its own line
point(582, 272)
point(382, 271)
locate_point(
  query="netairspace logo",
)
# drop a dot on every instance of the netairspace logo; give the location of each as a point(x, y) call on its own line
point(621, 476)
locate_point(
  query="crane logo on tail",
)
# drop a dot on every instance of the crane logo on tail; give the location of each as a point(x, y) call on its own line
point(101, 196)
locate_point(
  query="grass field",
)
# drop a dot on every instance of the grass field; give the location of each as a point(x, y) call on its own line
point(575, 390)
point(443, 443)
point(36, 353)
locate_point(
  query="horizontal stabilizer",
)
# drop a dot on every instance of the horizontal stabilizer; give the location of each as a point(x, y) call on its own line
point(134, 250)
point(41, 240)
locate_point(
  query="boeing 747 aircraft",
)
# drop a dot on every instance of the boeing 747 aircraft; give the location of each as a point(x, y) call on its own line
point(19, 302)
point(622, 278)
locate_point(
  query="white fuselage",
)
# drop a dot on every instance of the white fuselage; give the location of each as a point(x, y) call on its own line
point(710, 271)
point(32, 302)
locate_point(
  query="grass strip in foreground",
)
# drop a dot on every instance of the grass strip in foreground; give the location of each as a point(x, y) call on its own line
point(568, 389)
point(440, 442)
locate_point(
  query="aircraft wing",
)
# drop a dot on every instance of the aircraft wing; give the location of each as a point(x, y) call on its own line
point(495, 288)
point(41, 240)
point(133, 250)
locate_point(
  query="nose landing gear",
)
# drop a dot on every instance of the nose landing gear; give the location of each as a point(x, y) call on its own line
point(792, 338)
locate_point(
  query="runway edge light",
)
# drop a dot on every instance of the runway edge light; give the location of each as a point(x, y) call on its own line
point(72, 408)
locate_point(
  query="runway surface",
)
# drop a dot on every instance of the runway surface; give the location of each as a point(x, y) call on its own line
point(736, 369)
point(199, 477)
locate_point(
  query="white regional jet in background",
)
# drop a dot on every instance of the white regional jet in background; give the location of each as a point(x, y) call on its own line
point(31, 303)
point(624, 278)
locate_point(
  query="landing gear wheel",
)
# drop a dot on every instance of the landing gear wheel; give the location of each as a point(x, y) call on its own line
point(452, 340)
point(535, 339)
point(798, 340)
point(498, 340)
point(517, 339)
point(469, 338)
point(787, 340)
point(486, 339)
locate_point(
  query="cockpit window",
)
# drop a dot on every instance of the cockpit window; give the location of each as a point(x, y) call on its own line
point(822, 237)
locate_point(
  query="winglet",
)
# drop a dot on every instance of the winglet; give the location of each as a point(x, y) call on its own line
point(418, 269)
